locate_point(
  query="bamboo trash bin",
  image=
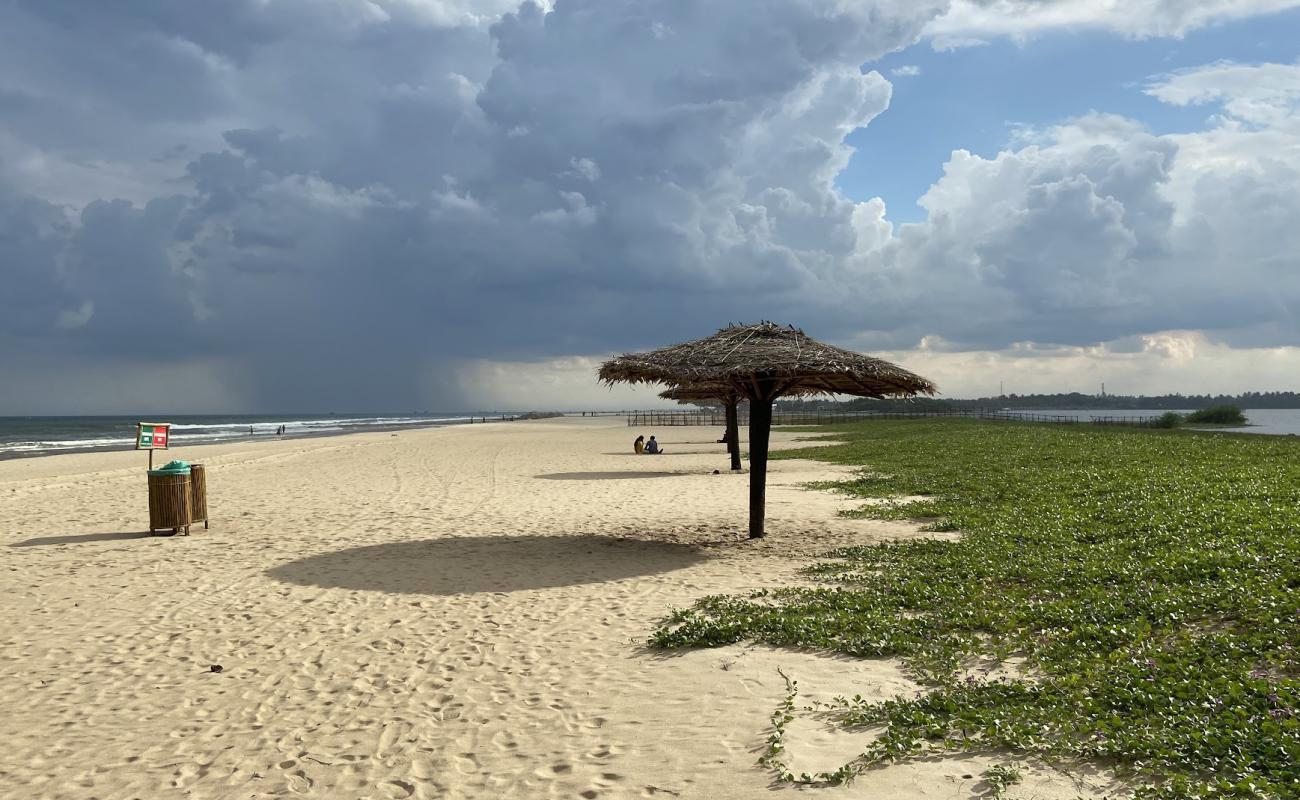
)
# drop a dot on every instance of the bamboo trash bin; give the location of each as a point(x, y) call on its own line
point(170, 501)
point(198, 495)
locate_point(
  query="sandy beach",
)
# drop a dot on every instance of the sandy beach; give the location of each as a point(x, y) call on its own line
point(441, 613)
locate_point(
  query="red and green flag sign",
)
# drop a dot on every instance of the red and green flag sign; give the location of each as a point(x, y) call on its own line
point(152, 435)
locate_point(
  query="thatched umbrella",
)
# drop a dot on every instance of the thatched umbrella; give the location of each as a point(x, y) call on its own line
point(763, 362)
point(730, 400)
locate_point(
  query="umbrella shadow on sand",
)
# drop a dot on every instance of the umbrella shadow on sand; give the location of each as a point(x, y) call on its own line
point(473, 564)
point(606, 476)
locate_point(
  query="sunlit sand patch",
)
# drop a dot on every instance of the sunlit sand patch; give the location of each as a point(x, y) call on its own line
point(794, 487)
point(412, 616)
point(963, 777)
point(815, 743)
point(991, 668)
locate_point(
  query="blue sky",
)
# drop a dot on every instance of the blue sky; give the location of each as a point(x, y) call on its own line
point(972, 98)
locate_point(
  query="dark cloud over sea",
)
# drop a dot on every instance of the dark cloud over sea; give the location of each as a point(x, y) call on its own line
point(350, 199)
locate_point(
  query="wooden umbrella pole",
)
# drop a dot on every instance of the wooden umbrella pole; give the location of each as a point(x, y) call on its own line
point(760, 430)
point(733, 431)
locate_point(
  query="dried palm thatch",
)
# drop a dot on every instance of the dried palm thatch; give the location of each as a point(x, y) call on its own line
point(761, 363)
point(699, 394)
point(766, 359)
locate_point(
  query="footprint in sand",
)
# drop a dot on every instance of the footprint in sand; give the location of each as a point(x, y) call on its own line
point(451, 712)
point(602, 751)
point(299, 783)
point(397, 789)
point(389, 736)
point(422, 769)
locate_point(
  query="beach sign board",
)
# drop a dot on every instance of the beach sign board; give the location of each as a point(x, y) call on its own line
point(152, 435)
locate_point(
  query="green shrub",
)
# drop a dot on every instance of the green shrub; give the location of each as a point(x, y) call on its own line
point(1218, 415)
point(1001, 777)
point(1169, 419)
point(1148, 581)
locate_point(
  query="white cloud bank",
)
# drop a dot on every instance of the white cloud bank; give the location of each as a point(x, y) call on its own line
point(1255, 94)
point(1153, 364)
point(1170, 361)
point(969, 22)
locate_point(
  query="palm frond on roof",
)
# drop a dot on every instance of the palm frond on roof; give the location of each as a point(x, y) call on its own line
point(700, 394)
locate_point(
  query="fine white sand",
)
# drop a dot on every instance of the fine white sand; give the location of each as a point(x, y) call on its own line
point(442, 613)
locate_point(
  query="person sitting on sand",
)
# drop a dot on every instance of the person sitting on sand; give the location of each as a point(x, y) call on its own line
point(652, 447)
point(638, 446)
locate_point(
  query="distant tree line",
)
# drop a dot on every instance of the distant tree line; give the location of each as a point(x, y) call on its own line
point(1065, 400)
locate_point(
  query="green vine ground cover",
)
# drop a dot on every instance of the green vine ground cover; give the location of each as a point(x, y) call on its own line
point(1150, 579)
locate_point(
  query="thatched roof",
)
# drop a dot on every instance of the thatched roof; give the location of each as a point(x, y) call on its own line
point(699, 394)
point(741, 356)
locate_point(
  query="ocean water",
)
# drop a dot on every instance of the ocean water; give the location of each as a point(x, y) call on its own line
point(34, 436)
point(1274, 421)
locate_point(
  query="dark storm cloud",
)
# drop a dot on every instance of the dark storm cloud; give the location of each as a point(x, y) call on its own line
point(361, 192)
point(32, 236)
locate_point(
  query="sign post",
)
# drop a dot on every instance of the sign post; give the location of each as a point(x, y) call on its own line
point(152, 436)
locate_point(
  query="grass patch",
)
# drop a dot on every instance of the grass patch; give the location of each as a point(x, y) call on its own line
point(1151, 578)
point(1169, 419)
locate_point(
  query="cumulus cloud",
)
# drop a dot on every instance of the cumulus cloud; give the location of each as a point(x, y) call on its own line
point(1097, 229)
point(372, 187)
point(1259, 94)
point(969, 21)
point(1053, 242)
point(944, 42)
point(906, 71)
point(369, 204)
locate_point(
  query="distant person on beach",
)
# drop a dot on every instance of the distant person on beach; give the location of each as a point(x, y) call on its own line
point(638, 446)
point(652, 447)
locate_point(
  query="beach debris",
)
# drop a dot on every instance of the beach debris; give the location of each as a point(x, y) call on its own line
point(215, 668)
point(717, 472)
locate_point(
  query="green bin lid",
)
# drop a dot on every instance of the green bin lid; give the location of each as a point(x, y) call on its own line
point(172, 468)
